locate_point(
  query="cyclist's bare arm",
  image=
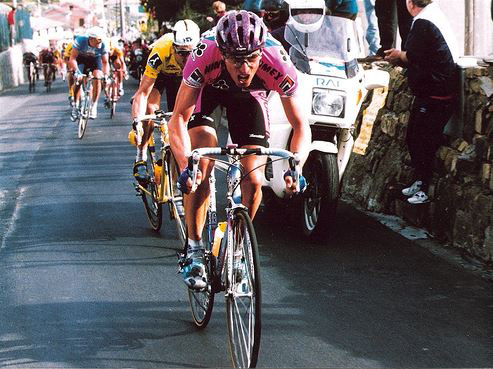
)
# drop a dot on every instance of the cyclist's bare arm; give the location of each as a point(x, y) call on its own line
point(302, 135)
point(300, 143)
point(106, 64)
point(179, 137)
point(72, 63)
point(140, 98)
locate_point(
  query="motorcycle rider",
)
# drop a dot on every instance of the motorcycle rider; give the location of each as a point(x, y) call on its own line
point(235, 69)
point(164, 70)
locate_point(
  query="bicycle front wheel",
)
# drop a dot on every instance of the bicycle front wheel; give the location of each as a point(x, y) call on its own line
point(202, 301)
point(150, 198)
point(83, 117)
point(243, 293)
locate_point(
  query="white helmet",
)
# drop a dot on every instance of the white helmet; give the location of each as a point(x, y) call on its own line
point(306, 15)
point(96, 32)
point(186, 32)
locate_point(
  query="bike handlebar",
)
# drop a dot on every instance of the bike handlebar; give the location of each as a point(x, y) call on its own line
point(194, 158)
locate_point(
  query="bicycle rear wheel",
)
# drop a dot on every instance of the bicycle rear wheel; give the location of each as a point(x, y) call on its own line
point(150, 198)
point(202, 301)
point(243, 293)
point(83, 117)
point(176, 205)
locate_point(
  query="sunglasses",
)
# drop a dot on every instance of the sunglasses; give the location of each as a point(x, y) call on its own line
point(238, 61)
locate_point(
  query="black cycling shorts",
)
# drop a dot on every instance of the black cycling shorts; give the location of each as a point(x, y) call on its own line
point(88, 64)
point(247, 119)
point(171, 84)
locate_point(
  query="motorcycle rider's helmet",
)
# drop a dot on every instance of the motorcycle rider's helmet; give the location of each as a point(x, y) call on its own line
point(185, 33)
point(306, 15)
point(240, 32)
point(96, 32)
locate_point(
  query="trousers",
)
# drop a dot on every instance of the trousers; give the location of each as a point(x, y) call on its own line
point(425, 134)
point(390, 14)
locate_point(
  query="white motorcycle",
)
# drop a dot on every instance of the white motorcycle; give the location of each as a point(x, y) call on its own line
point(332, 88)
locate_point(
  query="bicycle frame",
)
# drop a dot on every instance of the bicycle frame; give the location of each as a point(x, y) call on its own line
point(234, 177)
point(160, 122)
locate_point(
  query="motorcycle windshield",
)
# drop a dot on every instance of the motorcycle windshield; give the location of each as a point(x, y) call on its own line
point(336, 39)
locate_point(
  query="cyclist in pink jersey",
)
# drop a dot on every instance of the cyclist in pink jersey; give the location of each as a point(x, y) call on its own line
point(235, 69)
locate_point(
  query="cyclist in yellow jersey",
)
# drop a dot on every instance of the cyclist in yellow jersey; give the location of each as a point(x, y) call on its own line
point(70, 75)
point(164, 70)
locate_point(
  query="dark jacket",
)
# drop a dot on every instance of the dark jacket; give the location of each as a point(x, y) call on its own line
point(431, 70)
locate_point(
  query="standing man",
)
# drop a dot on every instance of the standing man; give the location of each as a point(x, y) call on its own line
point(390, 14)
point(433, 79)
point(372, 36)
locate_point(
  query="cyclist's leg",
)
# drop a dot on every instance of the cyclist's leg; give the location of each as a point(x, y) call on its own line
point(119, 74)
point(196, 203)
point(248, 126)
point(202, 134)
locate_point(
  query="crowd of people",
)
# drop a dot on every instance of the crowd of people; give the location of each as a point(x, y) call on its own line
point(222, 68)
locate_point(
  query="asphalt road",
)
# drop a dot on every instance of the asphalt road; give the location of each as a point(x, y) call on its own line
point(85, 282)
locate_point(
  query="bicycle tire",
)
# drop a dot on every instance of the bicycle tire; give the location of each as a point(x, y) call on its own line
point(202, 301)
point(152, 205)
point(176, 206)
point(83, 118)
point(112, 109)
point(243, 293)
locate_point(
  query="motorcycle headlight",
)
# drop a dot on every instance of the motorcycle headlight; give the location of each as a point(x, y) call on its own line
point(328, 102)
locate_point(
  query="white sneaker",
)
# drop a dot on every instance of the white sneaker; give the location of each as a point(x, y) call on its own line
point(414, 188)
point(94, 112)
point(419, 197)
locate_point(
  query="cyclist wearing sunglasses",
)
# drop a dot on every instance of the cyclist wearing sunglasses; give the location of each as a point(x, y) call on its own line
point(236, 69)
point(164, 70)
point(89, 53)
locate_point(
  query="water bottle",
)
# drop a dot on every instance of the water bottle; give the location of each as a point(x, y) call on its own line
point(218, 236)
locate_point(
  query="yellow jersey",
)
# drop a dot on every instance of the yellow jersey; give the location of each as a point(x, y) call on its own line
point(67, 51)
point(162, 59)
point(116, 52)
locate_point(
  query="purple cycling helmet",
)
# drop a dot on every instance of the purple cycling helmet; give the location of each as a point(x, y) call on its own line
point(240, 33)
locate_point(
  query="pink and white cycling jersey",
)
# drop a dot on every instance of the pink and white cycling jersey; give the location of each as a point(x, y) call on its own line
point(276, 71)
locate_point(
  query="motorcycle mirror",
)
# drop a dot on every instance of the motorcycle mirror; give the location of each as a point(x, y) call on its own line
point(375, 78)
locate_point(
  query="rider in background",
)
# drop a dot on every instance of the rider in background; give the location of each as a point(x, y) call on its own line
point(235, 69)
point(89, 53)
point(70, 75)
point(117, 60)
point(275, 14)
point(164, 70)
point(47, 59)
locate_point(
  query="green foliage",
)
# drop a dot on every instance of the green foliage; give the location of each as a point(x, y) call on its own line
point(174, 10)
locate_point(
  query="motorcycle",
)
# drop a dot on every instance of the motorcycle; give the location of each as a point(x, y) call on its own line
point(138, 60)
point(332, 87)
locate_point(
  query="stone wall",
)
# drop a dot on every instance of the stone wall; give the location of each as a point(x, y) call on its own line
point(11, 68)
point(460, 214)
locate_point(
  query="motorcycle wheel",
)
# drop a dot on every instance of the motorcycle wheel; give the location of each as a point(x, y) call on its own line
point(319, 201)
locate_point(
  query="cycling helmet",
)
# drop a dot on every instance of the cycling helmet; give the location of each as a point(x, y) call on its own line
point(95, 32)
point(186, 32)
point(240, 33)
point(306, 15)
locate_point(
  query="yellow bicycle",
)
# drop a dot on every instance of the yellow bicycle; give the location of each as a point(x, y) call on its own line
point(162, 173)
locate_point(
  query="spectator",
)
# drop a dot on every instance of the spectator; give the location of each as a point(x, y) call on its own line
point(391, 13)
point(372, 36)
point(219, 9)
point(432, 76)
point(11, 22)
point(342, 8)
